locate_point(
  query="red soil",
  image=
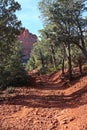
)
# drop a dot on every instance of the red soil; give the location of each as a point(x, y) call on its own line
point(51, 104)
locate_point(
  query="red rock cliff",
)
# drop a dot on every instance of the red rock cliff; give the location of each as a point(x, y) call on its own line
point(27, 39)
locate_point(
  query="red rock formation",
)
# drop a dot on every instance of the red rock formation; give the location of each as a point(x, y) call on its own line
point(27, 39)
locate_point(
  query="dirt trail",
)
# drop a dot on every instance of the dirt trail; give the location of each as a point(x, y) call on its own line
point(51, 104)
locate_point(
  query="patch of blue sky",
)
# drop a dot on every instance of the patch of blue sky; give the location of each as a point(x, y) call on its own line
point(29, 15)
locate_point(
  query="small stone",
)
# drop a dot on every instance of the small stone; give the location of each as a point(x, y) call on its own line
point(73, 118)
point(65, 121)
point(66, 127)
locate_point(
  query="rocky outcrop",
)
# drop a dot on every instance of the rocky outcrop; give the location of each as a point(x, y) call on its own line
point(27, 39)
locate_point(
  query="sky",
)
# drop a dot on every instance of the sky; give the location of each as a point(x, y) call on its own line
point(29, 15)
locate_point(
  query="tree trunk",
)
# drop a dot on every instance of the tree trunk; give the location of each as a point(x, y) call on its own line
point(80, 66)
point(69, 61)
point(63, 67)
point(53, 56)
point(82, 41)
point(41, 57)
point(85, 52)
point(63, 60)
point(83, 49)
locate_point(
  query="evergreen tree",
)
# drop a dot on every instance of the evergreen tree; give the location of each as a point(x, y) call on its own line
point(11, 68)
point(70, 24)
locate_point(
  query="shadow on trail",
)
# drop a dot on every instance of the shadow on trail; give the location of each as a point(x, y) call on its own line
point(56, 81)
point(51, 101)
point(62, 84)
point(37, 100)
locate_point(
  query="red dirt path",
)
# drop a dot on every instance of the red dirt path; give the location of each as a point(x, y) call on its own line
point(51, 104)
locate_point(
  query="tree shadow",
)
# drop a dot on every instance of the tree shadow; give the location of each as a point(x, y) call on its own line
point(61, 83)
point(51, 101)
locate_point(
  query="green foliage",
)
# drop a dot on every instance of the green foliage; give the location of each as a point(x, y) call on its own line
point(59, 67)
point(52, 70)
point(43, 70)
point(77, 56)
point(9, 24)
point(65, 28)
point(11, 68)
point(85, 67)
point(62, 42)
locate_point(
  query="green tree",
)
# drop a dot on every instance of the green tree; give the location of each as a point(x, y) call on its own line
point(10, 50)
point(70, 23)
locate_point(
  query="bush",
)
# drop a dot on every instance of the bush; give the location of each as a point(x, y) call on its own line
point(59, 67)
point(43, 70)
point(52, 69)
point(12, 69)
point(85, 67)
